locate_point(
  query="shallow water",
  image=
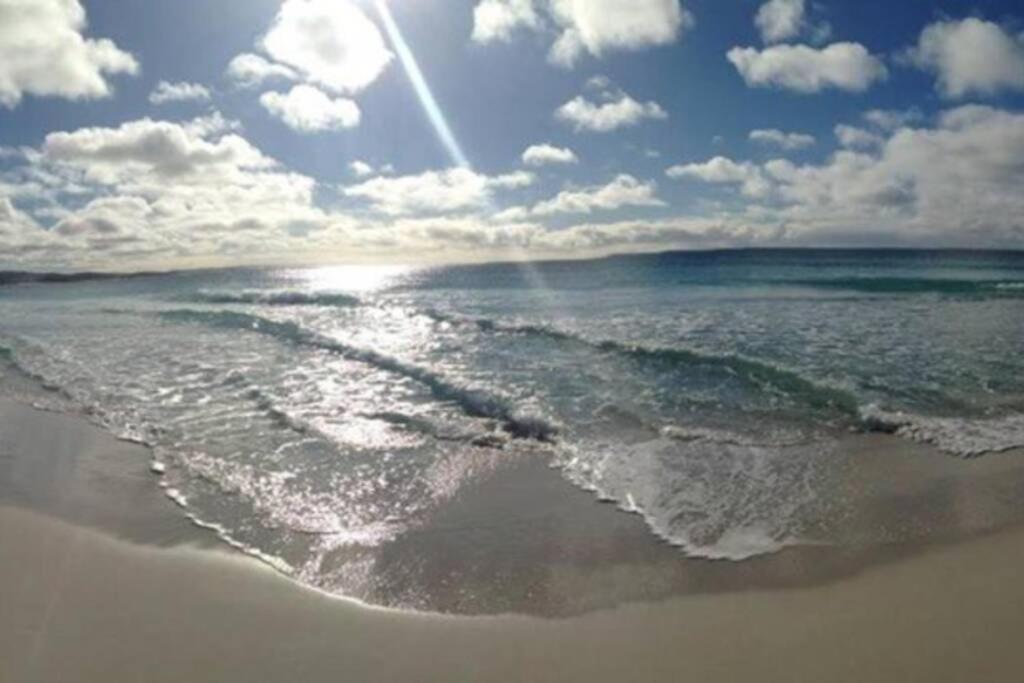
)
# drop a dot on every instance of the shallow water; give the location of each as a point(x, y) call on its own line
point(307, 413)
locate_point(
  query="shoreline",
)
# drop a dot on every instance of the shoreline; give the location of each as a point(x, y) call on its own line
point(81, 605)
point(103, 579)
point(524, 540)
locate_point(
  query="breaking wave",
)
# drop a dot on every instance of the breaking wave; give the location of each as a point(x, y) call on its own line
point(763, 374)
point(965, 437)
point(898, 285)
point(474, 402)
point(275, 298)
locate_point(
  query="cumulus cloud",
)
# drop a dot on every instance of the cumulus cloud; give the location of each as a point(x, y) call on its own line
point(178, 92)
point(853, 137)
point(805, 69)
point(878, 124)
point(145, 148)
point(891, 119)
point(722, 170)
point(330, 43)
point(778, 138)
point(781, 20)
point(971, 57)
point(615, 109)
point(43, 52)
point(451, 190)
point(636, 235)
point(360, 169)
point(248, 70)
point(582, 26)
point(953, 184)
point(18, 231)
point(308, 110)
point(331, 48)
point(600, 27)
point(544, 154)
point(162, 191)
point(623, 190)
point(496, 20)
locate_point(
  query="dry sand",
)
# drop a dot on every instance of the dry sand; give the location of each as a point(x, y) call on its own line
point(80, 606)
point(102, 580)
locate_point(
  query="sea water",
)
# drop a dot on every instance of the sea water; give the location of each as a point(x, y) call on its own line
point(303, 412)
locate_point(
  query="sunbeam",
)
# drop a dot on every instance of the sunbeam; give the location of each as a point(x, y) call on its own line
point(440, 123)
point(419, 84)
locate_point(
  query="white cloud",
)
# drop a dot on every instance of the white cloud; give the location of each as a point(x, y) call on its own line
point(636, 235)
point(249, 70)
point(18, 231)
point(213, 123)
point(783, 20)
point(108, 224)
point(360, 169)
point(854, 137)
point(722, 170)
point(971, 57)
point(624, 190)
point(448, 191)
point(804, 69)
point(178, 92)
point(159, 191)
point(331, 43)
point(496, 20)
point(43, 52)
point(780, 20)
point(583, 26)
point(621, 111)
point(600, 27)
point(540, 155)
point(147, 148)
point(787, 141)
point(891, 119)
point(954, 184)
point(308, 110)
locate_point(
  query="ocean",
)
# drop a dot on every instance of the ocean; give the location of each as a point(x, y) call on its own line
point(312, 415)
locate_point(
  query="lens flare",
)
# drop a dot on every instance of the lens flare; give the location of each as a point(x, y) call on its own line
point(419, 84)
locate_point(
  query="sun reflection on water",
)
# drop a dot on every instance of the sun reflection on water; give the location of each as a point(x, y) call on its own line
point(350, 278)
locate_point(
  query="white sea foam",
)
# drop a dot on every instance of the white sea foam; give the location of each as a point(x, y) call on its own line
point(966, 437)
point(294, 419)
point(714, 494)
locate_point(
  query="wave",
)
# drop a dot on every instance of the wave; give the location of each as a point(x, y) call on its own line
point(763, 374)
point(899, 285)
point(275, 298)
point(472, 401)
point(715, 495)
point(965, 437)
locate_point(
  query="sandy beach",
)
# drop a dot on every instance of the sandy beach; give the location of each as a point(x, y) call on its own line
point(596, 341)
point(103, 580)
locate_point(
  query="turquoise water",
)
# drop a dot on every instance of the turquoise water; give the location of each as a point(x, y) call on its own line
point(309, 412)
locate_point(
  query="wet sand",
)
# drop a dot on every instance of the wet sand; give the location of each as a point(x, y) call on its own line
point(102, 579)
point(81, 606)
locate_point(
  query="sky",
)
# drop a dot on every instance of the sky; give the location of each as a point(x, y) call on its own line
point(140, 134)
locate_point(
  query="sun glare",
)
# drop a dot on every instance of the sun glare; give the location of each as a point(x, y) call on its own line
point(420, 85)
point(353, 278)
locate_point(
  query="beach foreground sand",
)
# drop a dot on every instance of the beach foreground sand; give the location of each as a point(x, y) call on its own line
point(134, 593)
point(79, 606)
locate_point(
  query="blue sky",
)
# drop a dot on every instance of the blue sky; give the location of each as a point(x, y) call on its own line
point(131, 136)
